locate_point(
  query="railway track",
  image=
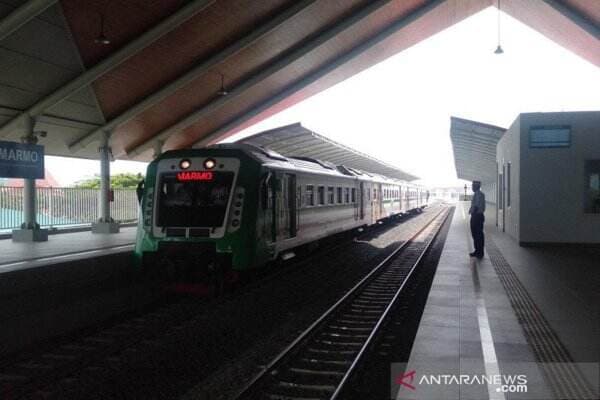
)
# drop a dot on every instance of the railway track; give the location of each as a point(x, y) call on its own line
point(65, 369)
point(319, 363)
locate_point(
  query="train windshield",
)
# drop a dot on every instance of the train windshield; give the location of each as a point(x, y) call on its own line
point(194, 198)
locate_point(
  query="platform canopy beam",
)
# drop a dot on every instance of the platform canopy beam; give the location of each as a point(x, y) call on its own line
point(106, 65)
point(280, 64)
point(311, 78)
point(200, 69)
point(21, 15)
point(575, 17)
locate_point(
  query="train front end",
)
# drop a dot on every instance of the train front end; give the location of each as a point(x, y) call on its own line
point(195, 213)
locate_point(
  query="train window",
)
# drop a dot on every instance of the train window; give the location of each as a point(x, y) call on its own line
point(194, 203)
point(309, 193)
point(368, 194)
point(354, 195)
point(340, 198)
point(330, 195)
point(592, 186)
point(374, 194)
point(321, 195)
point(347, 196)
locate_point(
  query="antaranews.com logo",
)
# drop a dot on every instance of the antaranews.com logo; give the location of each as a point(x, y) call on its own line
point(503, 383)
point(471, 378)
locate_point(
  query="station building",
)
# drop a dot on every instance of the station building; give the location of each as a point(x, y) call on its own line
point(542, 178)
point(549, 177)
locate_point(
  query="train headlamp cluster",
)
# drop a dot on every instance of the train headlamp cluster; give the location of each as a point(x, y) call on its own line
point(209, 163)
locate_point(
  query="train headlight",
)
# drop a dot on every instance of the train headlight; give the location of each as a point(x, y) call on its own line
point(185, 164)
point(209, 163)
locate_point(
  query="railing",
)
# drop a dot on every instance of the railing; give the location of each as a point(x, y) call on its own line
point(65, 206)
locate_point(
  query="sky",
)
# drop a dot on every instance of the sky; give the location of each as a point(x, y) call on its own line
point(399, 110)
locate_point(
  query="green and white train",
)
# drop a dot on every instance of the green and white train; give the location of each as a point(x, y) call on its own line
point(237, 206)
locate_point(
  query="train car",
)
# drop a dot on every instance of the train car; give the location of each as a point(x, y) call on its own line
point(237, 207)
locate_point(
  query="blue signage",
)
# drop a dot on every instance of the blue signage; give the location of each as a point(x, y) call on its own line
point(21, 160)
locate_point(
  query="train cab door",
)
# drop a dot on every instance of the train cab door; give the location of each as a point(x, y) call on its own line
point(268, 207)
point(287, 207)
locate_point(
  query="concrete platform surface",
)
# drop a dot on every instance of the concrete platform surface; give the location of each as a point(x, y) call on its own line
point(25, 255)
point(484, 336)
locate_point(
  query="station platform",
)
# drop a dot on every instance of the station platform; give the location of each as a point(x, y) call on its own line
point(521, 323)
point(73, 280)
point(63, 247)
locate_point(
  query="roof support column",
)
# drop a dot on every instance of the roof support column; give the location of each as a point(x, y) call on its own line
point(30, 230)
point(158, 148)
point(105, 223)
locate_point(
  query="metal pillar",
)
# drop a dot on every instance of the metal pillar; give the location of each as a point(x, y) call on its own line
point(30, 230)
point(105, 223)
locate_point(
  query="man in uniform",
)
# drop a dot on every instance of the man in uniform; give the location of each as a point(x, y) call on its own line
point(477, 210)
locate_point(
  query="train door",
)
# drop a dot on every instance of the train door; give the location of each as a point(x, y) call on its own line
point(377, 195)
point(402, 190)
point(361, 200)
point(501, 211)
point(503, 198)
point(287, 207)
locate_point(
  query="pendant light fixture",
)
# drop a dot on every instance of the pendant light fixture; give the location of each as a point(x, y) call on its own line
point(222, 91)
point(499, 48)
point(101, 38)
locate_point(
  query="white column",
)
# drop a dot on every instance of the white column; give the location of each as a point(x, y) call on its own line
point(105, 223)
point(104, 182)
point(30, 230)
point(158, 146)
point(29, 202)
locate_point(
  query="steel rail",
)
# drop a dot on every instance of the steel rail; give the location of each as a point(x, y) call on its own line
point(375, 330)
point(250, 388)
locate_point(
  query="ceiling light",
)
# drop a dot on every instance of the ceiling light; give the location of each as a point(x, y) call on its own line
point(222, 91)
point(101, 38)
point(499, 48)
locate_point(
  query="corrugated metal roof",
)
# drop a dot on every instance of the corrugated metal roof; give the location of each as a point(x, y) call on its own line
point(474, 146)
point(297, 141)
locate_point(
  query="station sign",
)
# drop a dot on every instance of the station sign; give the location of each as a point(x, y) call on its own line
point(18, 160)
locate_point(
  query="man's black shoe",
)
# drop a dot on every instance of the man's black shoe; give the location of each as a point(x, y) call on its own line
point(472, 254)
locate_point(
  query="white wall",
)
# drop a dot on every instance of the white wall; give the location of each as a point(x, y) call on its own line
point(553, 181)
point(508, 150)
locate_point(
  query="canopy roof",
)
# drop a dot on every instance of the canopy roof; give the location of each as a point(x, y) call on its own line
point(149, 72)
point(474, 146)
point(297, 141)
